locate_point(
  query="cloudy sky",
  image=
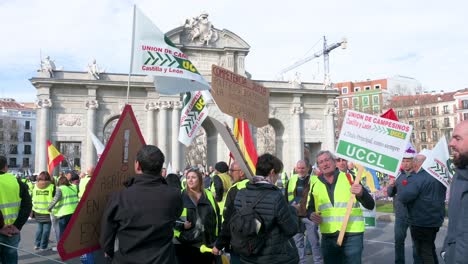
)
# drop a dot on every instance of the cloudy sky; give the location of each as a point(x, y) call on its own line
point(426, 40)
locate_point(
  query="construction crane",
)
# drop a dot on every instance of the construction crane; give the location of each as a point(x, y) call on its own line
point(325, 52)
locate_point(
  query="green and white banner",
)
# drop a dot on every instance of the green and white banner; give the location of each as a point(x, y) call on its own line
point(438, 163)
point(373, 141)
point(154, 54)
point(194, 112)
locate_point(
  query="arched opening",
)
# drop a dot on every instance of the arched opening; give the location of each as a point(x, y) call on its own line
point(109, 128)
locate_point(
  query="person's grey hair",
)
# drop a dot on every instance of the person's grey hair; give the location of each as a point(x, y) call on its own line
point(321, 152)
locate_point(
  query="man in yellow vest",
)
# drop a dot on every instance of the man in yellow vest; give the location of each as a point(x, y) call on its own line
point(221, 183)
point(297, 191)
point(327, 207)
point(15, 205)
point(240, 181)
point(84, 181)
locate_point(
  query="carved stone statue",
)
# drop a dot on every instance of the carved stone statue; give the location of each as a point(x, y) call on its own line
point(94, 70)
point(201, 29)
point(48, 65)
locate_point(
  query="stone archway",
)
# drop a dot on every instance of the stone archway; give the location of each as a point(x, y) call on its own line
point(196, 154)
point(109, 128)
point(270, 138)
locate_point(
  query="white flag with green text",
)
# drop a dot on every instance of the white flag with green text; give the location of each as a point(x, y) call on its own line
point(154, 54)
point(193, 113)
point(438, 162)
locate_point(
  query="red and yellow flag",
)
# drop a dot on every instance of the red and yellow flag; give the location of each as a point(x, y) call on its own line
point(54, 157)
point(244, 138)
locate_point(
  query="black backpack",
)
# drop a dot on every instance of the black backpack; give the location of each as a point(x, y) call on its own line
point(248, 233)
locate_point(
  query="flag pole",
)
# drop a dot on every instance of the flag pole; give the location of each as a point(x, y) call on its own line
point(131, 52)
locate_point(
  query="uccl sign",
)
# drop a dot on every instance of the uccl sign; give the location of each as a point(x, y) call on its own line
point(372, 141)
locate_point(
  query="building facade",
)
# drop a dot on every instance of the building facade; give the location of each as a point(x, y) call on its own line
point(17, 135)
point(71, 105)
point(432, 116)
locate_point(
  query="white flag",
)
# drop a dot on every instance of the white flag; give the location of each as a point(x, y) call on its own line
point(193, 114)
point(154, 54)
point(437, 162)
point(97, 143)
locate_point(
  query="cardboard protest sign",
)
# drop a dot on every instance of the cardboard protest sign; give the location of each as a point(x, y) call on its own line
point(114, 167)
point(373, 141)
point(232, 145)
point(240, 97)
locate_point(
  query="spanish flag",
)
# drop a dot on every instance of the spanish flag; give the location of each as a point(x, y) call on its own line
point(246, 145)
point(54, 157)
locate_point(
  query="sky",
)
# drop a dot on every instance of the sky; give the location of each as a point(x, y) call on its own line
point(425, 40)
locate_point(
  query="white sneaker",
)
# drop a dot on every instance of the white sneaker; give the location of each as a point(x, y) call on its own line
point(54, 249)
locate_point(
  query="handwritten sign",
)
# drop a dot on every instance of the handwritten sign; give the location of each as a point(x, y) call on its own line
point(240, 97)
point(373, 141)
point(115, 166)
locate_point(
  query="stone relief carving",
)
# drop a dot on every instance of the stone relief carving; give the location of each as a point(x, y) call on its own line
point(164, 105)
point(69, 120)
point(313, 125)
point(177, 105)
point(297, 110)
point(48, 65)
point(151, 106)
point(91, 104)
point(43, 103)
point(201, 30)
point(94, 71)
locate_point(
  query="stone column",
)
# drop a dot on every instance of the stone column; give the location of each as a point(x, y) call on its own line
point(330, 126)
point(150, 129)
point(42, 134)
point(162, 128)
point(176, 106)
point(296, 133)
point(91, 158)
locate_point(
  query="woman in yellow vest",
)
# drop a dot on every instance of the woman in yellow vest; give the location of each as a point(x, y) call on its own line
point(42, 195)
point(199, 223)
point(64, 203)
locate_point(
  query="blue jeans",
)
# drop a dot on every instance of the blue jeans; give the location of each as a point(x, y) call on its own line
point(63, 222)
point(350, 251)
point(7, 254)
point(42, 234)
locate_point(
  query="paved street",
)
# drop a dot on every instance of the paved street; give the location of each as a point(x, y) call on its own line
point(378, 245)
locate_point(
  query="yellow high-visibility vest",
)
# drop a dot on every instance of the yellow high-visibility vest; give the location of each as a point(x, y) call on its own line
point(41, 198)
point(68, 202)
point(10, 200)
point(333, 214)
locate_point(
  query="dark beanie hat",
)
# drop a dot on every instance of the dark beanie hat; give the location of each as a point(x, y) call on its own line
point(221, 167)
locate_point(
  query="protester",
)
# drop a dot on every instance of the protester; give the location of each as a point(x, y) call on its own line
point(224, 238)
point(221, 183)
point(173, 180)
point(142, 216)
point(64, 203)
point(279, 219)
point(85, 180)
point(455, 249)
point(401, 213)
point(297, 191)
point(424, 196)
point(15, 205)
point(328, 202)
point(42, 195)
point(199, 223)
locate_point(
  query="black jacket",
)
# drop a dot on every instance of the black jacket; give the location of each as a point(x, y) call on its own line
point(280, 220)
point(208, 218)
point(142, 216)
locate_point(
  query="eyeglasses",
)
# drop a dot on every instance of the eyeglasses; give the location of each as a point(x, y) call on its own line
point(340, 159)
point(231, 170)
